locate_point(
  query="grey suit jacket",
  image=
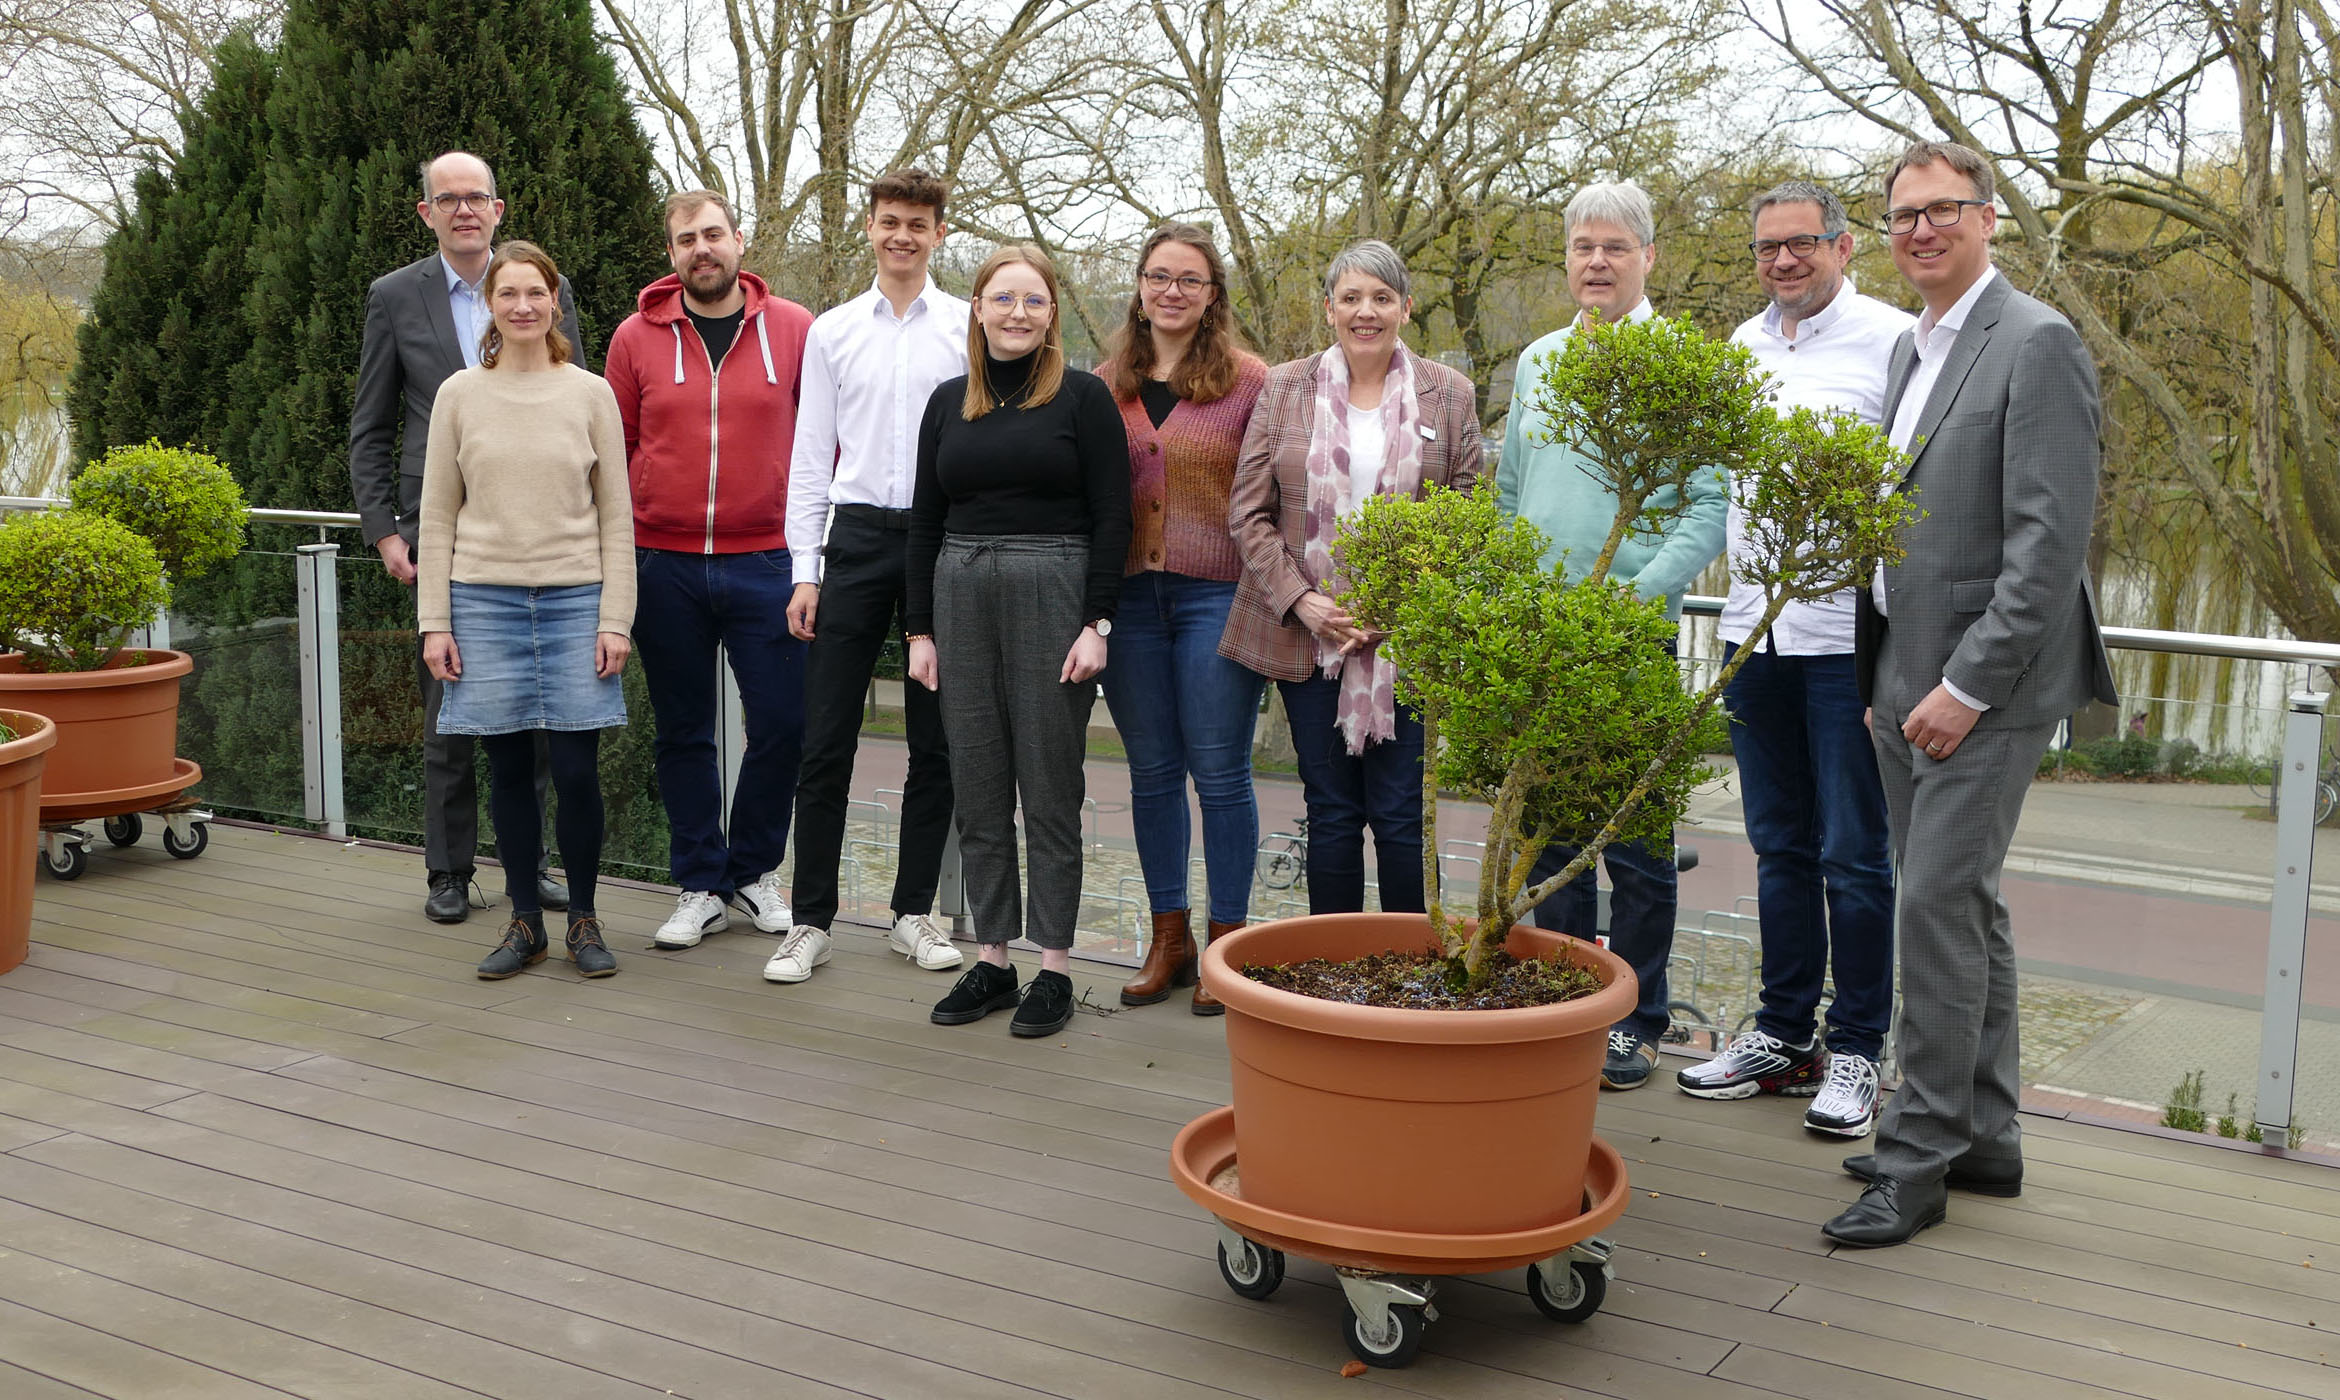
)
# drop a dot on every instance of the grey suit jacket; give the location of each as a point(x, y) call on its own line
point(1993, 593)
point(409, 350)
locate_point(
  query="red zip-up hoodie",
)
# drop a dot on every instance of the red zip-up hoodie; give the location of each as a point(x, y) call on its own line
point(707, 446)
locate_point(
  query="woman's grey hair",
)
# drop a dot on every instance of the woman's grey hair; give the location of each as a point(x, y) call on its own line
point(1619, 202)
point(1832, 220)
point(1375, 259)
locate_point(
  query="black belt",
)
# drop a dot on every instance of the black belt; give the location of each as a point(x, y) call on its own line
point(880, 516)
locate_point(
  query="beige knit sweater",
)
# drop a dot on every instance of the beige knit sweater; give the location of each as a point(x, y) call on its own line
point(525, 483)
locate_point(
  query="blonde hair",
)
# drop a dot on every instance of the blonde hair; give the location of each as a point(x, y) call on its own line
point(491, 341)
point(1048, 364)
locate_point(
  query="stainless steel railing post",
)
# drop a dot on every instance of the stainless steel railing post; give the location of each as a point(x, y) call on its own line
point(2295, 858)
point(320, 644)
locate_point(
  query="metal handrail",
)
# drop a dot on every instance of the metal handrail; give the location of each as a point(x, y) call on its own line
point(266, 515)
point(2149, 639)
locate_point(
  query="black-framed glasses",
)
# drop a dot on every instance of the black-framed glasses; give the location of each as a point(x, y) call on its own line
point(1162, 281)
point(1803, 245)
point(1942, 213)
point(1005, 302)
point(449, 203)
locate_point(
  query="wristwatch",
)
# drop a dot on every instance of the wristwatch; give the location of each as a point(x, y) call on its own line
point(1102, 626)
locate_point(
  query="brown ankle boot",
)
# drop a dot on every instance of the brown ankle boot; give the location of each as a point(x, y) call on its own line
point(1169, 961)
point(1204, 1003)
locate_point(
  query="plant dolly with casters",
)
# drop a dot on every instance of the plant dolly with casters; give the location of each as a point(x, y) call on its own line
point(65, 837)
point(1390, 1277)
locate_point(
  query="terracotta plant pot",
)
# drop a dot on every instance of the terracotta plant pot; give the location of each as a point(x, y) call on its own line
point(117, 728)
point(21, 761)
point(1431, 1122)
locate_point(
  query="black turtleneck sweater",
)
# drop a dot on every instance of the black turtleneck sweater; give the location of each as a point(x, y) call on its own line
point(1060, 468)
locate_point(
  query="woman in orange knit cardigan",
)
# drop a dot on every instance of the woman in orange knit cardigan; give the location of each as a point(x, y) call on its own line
point(1185, 385)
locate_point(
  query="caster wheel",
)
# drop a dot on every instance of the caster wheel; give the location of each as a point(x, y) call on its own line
point(125, 829)
point(1396, 1347)
point(1567, 1293)
point(199, 836)
point(1255, 1274)
point(65, 859)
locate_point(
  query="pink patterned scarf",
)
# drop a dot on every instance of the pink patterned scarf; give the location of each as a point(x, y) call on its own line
point(1367, 711)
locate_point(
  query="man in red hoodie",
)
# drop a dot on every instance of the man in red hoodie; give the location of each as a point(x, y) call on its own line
point(706, 375)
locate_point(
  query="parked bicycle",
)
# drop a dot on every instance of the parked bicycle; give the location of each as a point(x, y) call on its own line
point(1283, 857)
point(2266, 782)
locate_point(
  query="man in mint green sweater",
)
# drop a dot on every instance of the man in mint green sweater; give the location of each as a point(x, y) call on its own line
point(1610, 231)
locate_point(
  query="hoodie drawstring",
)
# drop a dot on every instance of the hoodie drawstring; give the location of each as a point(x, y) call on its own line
point(676, 327)
point(766, 341)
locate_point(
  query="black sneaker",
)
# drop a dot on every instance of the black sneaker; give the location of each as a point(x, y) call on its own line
point(586, 949)
point(1629, 1062)
point(1047, 1006)
point(980, 990)
point(449, 901)
point(523, 946)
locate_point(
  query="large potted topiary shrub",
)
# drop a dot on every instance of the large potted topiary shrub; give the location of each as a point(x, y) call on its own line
point(75, 584)
point(1430, 1080)
point(25, 741)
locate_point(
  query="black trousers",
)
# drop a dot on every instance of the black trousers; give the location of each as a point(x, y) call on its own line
point(451, 785)
point(861, 601)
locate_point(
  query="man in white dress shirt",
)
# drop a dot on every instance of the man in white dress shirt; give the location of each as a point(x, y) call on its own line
point(869, 369)
point(1815, 811)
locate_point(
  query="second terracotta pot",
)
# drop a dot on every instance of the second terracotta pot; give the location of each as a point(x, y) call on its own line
point(117, 728)
point(1435, 1122)
point(21, 762)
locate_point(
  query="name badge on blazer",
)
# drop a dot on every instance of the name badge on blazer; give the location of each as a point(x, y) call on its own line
point(1429, 434)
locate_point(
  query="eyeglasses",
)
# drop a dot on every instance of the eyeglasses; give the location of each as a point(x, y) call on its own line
point(1803, 245)
point(449, 203)
point(1004, 302)
point(1942, 213)
point(1614, 252)
point(1162, 281)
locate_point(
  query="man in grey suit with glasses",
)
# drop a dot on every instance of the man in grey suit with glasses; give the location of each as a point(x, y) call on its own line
point(1970, 651)
point(423, 323)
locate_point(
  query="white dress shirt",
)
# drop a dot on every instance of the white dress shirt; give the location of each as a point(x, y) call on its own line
point(867, 376)
point(1836, 361)
point(1932, 338)
point(467, 302)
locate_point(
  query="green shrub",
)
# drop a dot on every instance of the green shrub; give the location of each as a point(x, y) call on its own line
point(2184, 1110)
point(72, 587)
point(183, 501)
point(2122, 755)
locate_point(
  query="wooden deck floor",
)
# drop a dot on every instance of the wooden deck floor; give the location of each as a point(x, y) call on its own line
point(262, 1133)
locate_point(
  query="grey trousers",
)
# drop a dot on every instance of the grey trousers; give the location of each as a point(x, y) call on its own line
point(1006, 610)
point(1952, 820)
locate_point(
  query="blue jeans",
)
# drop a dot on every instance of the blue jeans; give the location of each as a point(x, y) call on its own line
point(1642, 889)
point(1823, 861)
point(686, 606)
point(1182, 710)
point(1346, 792)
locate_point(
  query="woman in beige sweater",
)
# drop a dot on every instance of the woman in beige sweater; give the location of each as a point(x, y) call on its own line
point(527, 588)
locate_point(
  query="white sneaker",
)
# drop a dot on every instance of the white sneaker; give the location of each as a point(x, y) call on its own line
point(1847, 1106)
point(922, 941)
point(766, 905)
point(695, 915)
point(803, 949)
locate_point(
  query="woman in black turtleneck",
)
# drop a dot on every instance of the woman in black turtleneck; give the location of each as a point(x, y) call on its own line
point(1017, 531)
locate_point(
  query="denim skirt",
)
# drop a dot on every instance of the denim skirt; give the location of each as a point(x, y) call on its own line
point(528, 661)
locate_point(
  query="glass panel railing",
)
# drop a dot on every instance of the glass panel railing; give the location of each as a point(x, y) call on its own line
point(240, 709)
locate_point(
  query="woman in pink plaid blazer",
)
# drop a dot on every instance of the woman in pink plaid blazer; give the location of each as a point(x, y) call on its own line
point(1366, 417)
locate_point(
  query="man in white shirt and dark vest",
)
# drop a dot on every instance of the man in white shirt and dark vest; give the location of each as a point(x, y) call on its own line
point(870, 366)
point(1815, 811)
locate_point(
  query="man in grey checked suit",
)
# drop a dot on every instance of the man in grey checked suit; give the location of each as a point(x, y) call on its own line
point(423, 323)
point(1969, 651)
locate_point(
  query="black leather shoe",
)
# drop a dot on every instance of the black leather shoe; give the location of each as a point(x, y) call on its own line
point(551, 893)
point(449, 901)
point(523, 946)
point(980, 990)
point(1966, 1174)
point(1047, 1006)
point(586, 950)
point(1891, 1211)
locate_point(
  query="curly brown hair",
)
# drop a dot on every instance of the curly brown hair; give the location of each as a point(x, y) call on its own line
point(1209, 368)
